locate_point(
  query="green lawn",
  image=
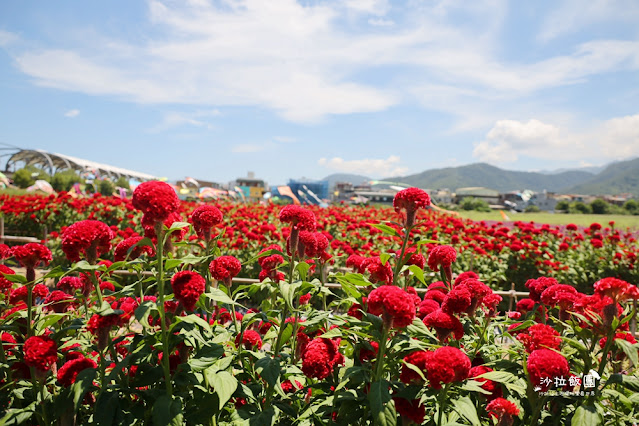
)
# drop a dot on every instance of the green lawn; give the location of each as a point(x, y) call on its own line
point(621, 221)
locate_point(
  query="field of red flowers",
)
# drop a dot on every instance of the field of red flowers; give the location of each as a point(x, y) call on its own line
point(414, 333)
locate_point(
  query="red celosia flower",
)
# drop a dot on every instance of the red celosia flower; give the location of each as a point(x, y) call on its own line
point(491, 302)
point(89, 237)
point(299, 217)
point(5, 284)
point(8, 341)
point(426, 307)
point(503, 410)
point(225, 268)
point(320, 358)
point(40, 352)
point(411, 200)
point(204, 218)
point(457, 300)
point(68, 373)
point(464, 276)
point(157, 200)
point(176, 235)
point(5, 251)
point(71, 284)
point(546, 364)
point(412, 410)
point(396, 307)
point(561, 295)
point(59, 301)
point(420, 360)
point(436, 295)
point(128, 305)
point(442, 256)
point(121, 251)
point(356, 309)
point(539, 336)
point(488, 385)
point(447, 365)
point(366, 354)
point(20, 294)
point(537, 286)
point(378, 271)
point(31, 255)
point(355, 261)
point(250, 339)
point(305, 299)
point(444, 324)
point(306, 244)
point(612, 287)
point(188, 286)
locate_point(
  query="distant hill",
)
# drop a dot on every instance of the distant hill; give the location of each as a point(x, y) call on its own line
point(345, 177)
point(482, 174)
point(617, 178)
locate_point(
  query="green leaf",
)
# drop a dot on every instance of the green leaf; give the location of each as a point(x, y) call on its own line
point(106, 408)
point(336, 332)
point(219, 296)
point(269, 368)
point(302, 268)
point(167, 412)
point(382, 409)
point(629, 349)
point(384, 258)
point(83, 384)
point(386, 229)
point(586, 415)
point(267, 417)
point(16, 278)
point(19, 416)
point(418, 273)
point(498, 376)
point(54, 273)
point(288, 292)
point(193, 319)
point(175, 226)
point(428, 241)
point(465, 407)
point(224, 385)
point(143, 311)
point(172, 264)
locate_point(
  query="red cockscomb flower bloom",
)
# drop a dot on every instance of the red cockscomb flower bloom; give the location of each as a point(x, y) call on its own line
point(420, 360)
point(378, 271)
point(546, 364)
point(396, 306)
point(271, 261)
point(447, 365)
point(355, 261)
point(411, 200)
point(204, 218)
point(188, 286)
point(121, 251)
point(320, 358)
point(426, 307)
point(412, 410)
point(89, 237)
point(561, 295)
point(5, 284)
point(20, 294)
point(250, 339)
point(537, 286)
point(70, 285)
point(59, 301)
point(464, 276)
point(442, 256)
point(31, 255)
point(444, 324)
point(612, 287)
point(5, 251)
point(225, 268)
point(503, 410)
point(157, 200)
point(488, 385)
point(539, 336)
point(299, 217)
point(68, 373)
point(457, 300)
point(40, 352)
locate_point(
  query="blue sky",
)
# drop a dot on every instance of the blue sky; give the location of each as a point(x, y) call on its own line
point(289, 89)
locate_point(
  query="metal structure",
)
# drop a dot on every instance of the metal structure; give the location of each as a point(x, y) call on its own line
point(53, 162)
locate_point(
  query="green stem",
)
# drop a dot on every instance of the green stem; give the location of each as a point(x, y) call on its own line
point(538, 407)
point(29, 308)
point(400, 259)
point(165, 336)
point(442, 403)
point(379, 363)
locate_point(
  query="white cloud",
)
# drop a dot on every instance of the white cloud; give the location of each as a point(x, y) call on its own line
point(6, 38)
point(380, 22)
point(367, 166)
point(72, 113)
point(177, 119)
point(508, 140)
point(250, 148)
point(373, 7)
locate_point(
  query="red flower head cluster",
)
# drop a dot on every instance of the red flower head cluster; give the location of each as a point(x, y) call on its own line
point(396, 306)
point(478, 292)
point(457, 300)
point(411, 200)
point(537, 286)
point(122, 249)
point(412, 410)
point(71, 284)
point(59, 301)
point(20, 294)
point(539, 336)
point(442, 256)
point(250, 339)
point(320, 358)
point(270, 263)
point(188, 286)
point(561, 295)
point(503, 410)
point(444, 324)
point(614, 288)
point(176, 235)
point(31, 255)
point(488, 385)
point(420, 360)
point(464, 276)
point(379, 272)
point(546, 364)
point(426, 307)
point(89, 237)
point(157, 200)
point(299, 217)
point(5, 284)
point(447, 365)
point(40, 352)
point(204, 218)
point(5, 251)
point(68, 373)
point(355, 261)
point(225, 268)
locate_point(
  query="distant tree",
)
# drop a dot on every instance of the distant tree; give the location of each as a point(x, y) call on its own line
point(579, 207)
point(105, 187)
point(632, 206)
point(532, 209)
point(471, 203)
point(563, 205)
point(64, 180)
point(600, 206)
point(27, 176)
point(122, 182)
